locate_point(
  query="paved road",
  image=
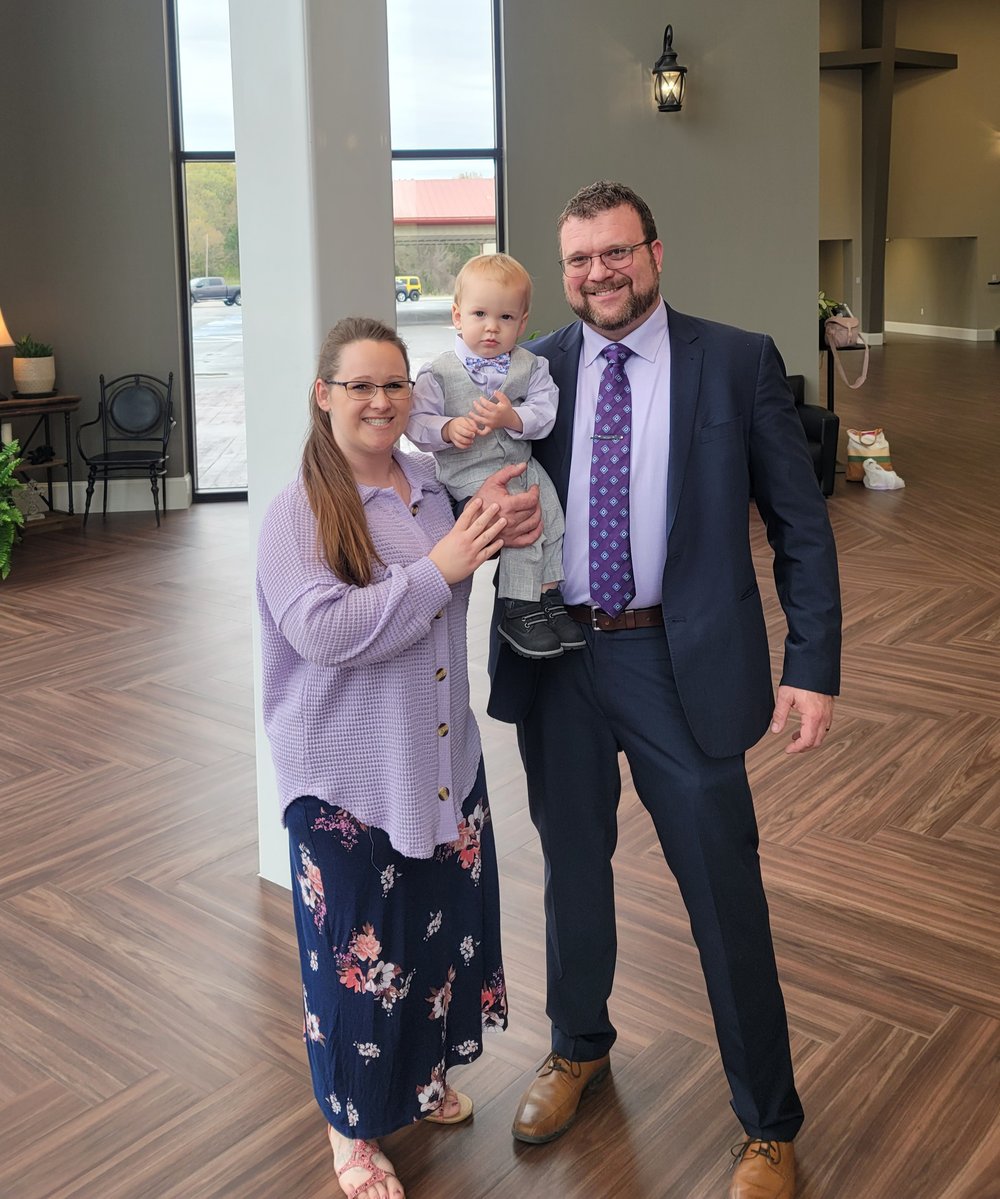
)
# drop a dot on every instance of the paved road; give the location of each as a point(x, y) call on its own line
point(426, 328)
point(217, 334)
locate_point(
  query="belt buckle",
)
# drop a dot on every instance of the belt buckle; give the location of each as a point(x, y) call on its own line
point(593, 619)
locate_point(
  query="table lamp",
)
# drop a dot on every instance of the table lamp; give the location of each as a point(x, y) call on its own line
point(5, 340)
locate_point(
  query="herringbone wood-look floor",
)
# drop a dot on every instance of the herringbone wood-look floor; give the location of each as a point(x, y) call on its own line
point(150, 1040)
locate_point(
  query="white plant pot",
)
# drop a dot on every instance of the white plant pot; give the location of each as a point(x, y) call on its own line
point(34, 376)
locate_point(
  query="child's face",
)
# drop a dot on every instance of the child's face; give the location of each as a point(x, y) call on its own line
point(491, 316)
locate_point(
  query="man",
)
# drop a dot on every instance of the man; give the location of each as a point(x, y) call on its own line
point(666, 425)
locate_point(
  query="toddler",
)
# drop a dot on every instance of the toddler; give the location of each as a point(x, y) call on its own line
point(478, 407)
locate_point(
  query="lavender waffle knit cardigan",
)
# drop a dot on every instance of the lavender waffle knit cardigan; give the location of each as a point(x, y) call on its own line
point(366, 689)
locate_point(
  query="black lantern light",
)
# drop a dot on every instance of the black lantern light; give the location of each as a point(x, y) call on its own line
point(668, 76)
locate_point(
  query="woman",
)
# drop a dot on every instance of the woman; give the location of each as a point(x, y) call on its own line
point(363, 584)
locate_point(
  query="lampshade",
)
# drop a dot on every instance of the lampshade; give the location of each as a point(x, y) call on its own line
point(5, 337)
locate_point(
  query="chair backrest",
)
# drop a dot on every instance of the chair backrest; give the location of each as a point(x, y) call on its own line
point(798, 385)
point(137, 408)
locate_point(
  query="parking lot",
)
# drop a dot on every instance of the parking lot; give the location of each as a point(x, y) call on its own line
point(217, 345)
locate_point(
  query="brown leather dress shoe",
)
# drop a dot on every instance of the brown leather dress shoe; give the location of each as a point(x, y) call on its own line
point(549, 1105)
point(764, 1170)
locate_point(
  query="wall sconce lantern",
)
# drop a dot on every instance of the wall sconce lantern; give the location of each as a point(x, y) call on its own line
point(668, 76)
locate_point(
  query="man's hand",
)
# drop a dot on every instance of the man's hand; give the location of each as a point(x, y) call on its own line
point(460, 431)
point(496, 413)
point(522, 511)
point(815, 712)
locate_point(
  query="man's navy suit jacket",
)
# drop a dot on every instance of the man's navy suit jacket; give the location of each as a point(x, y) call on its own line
point(734, 432)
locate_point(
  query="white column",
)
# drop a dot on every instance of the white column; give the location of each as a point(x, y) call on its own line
point(311, 100)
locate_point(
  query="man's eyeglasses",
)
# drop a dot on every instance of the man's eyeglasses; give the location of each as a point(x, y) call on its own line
point(398, 389)
point(578, 265)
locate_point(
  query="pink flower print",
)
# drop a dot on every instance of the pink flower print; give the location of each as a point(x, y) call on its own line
point(366, 946)
point(494, 1002)
point(352, 976)
point(341, 822)
point(380, 978)
point(314, 877)
point(468, 845)
point(311, 886)
point(431, 1094)
point(440, 997)
point(311, 1021)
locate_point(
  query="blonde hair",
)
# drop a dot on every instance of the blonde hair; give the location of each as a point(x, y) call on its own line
point(500, 268)
point(342, 529)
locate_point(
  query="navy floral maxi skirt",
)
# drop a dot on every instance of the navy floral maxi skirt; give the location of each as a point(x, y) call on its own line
point(401, 964)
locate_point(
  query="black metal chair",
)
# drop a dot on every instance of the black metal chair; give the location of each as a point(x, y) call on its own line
point(822, 429)
point(136, 417)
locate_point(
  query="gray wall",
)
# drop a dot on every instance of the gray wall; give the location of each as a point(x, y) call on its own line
point(87, 248)
point(931, 281)
point(732, 180)
point(943, 182)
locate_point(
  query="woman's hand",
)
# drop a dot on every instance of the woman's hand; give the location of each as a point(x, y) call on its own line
point(474, 539)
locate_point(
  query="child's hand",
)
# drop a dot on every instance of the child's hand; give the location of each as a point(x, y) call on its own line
point(460, 431)
point(496, 413)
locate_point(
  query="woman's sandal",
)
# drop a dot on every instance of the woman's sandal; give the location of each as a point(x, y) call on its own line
point(463, 1113)
point(361, 1159)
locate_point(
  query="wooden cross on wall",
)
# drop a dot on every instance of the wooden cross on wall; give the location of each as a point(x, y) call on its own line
point(877, 59)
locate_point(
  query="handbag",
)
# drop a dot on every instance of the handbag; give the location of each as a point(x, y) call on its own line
point(867, 443)
point(842, 332)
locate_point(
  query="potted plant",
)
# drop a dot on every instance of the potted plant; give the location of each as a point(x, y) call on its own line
point(11, 518)
point(34, 367)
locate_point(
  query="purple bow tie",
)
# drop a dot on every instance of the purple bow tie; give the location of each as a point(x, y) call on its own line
point(500, 363)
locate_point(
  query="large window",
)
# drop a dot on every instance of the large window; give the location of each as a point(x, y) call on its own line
point(207, 186)
point(447, 173)
point(447, 168)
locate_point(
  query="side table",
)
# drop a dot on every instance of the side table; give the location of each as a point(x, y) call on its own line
point(42, 410)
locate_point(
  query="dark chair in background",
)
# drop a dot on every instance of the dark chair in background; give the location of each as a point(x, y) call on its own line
point(822, 429)
point(136, 416)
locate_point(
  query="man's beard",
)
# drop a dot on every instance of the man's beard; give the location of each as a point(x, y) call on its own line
point(636, 306)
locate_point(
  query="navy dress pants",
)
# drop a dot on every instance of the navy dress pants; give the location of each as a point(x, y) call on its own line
point(619, 694)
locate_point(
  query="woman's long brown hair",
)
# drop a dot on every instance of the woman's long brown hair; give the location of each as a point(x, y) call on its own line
point(333, 493)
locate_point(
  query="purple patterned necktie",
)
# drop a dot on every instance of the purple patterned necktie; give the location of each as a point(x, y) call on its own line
point(611, 584)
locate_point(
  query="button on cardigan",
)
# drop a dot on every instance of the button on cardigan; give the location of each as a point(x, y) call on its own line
point(366, 689)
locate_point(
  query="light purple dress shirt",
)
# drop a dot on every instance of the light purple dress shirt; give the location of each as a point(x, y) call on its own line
point(648, 372)
point(537, 410)
point(366, 689)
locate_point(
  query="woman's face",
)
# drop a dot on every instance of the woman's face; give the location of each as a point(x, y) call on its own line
point(366, 429)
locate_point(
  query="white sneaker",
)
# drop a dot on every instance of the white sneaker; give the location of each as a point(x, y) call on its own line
point(880, 480)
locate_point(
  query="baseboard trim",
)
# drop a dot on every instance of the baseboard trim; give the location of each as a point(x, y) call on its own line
point(952, 332)
point(126, 495)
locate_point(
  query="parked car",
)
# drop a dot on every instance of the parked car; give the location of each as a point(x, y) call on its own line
point(407, 287)
point(214, 287)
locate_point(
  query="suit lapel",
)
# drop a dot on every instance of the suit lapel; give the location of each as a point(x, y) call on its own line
point(685, 382)
point(564, 366)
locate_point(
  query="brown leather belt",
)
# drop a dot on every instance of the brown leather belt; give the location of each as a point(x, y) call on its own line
point(631, 618)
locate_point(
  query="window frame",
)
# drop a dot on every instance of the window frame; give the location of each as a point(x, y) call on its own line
point(494, 154)
point(181, 158)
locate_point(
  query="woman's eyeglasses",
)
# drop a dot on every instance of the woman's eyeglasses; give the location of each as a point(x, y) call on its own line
point(398, 389)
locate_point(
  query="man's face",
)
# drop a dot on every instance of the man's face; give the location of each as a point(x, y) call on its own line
point(612, 300)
